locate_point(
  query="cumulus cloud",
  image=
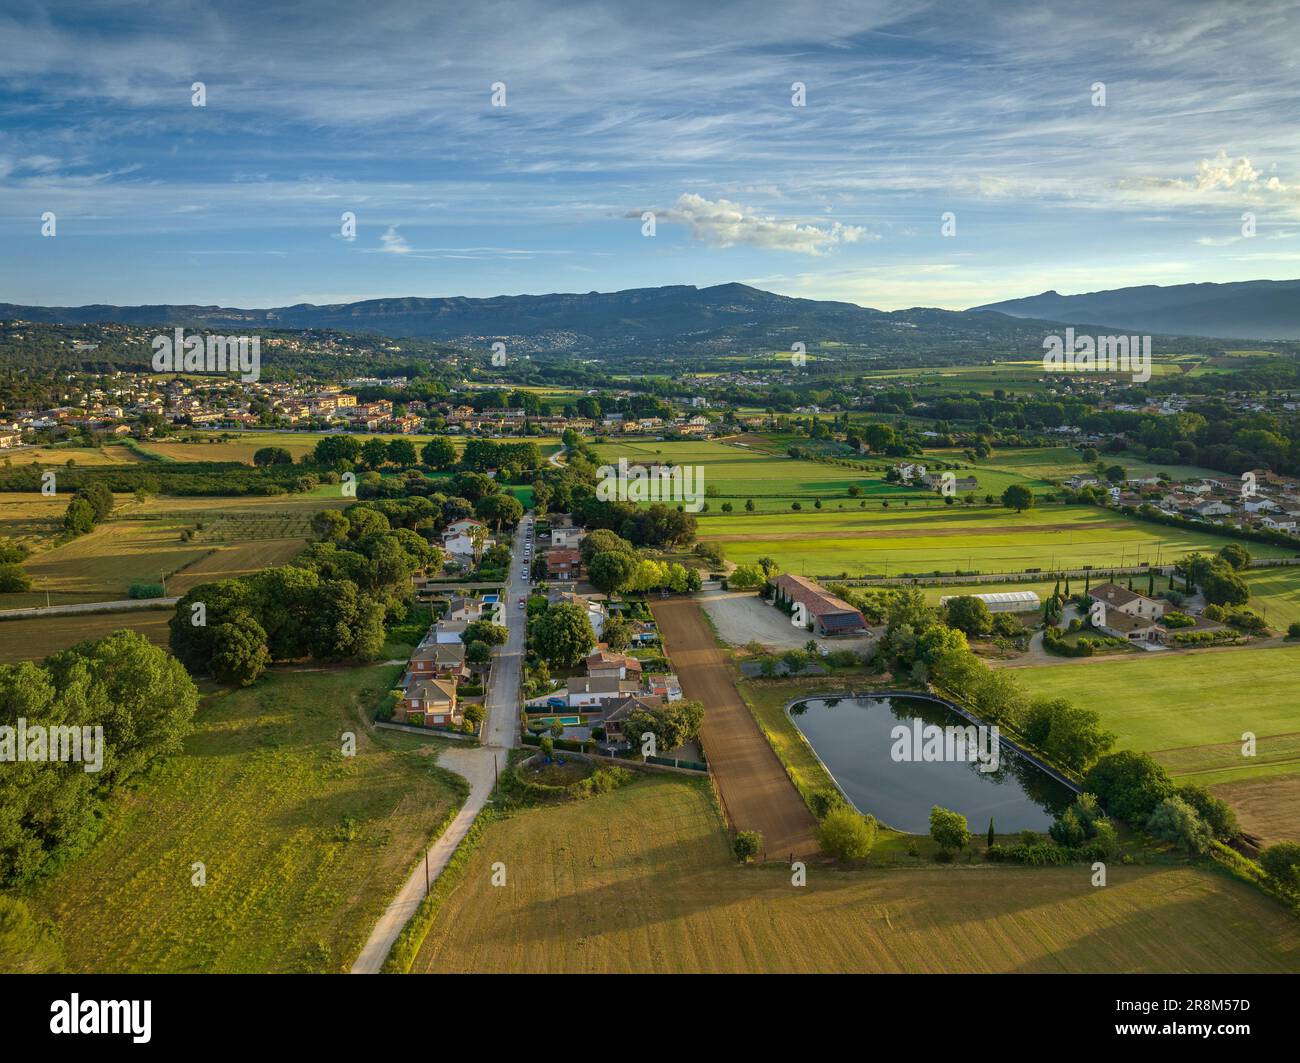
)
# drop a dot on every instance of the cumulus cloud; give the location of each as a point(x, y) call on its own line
point(394, 243)
point(722, 223)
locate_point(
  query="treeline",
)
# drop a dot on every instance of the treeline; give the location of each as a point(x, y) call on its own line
point(179, 478)
point(330, 603)
point(50, 809)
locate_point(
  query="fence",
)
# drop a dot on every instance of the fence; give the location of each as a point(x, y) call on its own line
point(1026, 576)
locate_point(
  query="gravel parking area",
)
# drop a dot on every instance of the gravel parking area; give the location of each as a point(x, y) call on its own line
point(742, 617)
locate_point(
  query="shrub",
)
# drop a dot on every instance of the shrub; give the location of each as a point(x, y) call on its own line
point(747, 845)
point(13, 579)
point(1130, 785)
point(822, 802)
point(1174, 820)
point(1294, 630)
point(948, 828)
point(846, 835)
point(1282, 862)
point(146, 590)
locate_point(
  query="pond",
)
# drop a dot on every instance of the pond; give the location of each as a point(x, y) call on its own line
point(855, 738)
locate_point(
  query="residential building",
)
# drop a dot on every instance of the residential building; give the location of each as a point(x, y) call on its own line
point(429, 703)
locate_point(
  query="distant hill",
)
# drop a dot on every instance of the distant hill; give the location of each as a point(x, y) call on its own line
point(1260, 310)
point(677, 321)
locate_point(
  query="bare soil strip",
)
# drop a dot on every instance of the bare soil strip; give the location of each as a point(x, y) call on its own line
point(755, 789)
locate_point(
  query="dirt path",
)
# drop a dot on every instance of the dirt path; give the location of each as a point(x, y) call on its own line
point(755, 789)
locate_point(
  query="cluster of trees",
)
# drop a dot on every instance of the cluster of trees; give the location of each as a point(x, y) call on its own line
point(673, 724)
point(90, 505)
point(1134, 788)
point(615, 566)
point(759, 574)
point(331, 602)
point(1217, 575)
point(918, 643)
point(145, 704)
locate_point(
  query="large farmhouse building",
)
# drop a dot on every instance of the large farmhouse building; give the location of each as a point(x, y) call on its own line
point(827, 614)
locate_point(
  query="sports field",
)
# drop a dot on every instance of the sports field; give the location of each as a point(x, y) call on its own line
point(302, 847)
point(640, 880)
point(980, 539)
point(1191, 710)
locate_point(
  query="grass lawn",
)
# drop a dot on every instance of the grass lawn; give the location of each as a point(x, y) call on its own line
point(980, 539)
point(303, 847)
point(641, 880)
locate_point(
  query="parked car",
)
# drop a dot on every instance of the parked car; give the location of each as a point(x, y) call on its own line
point(556, 703)
point(521, 603)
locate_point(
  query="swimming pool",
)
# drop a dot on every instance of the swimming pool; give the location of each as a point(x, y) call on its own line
point(490, 599)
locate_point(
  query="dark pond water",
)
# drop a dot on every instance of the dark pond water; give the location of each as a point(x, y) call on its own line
point(854, 738)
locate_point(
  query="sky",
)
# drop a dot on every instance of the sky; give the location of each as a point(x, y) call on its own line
point(813, 149)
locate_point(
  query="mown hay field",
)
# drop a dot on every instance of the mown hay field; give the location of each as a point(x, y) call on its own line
point(641, 880)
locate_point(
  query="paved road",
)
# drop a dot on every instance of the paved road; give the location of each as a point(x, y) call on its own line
point(479, 766)
point(755, 788)
point(121, 606)
point(476, 765)
point(501, 728)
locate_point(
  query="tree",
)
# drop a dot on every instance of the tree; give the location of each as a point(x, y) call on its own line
point(267, 456)
point(339, 453)
point(969, 614)
point(1216, 813)
point(1236, 555)
point(478, 652)
point(330, 525)
point(745, 577)
point(14, 579)
point(485, 631)
point(499, 509)
point(612, 570)
point(401, 452)
point(100, 498)
point(1018, 497)
point(439, 454)
point(991, 835)
point(601, 540)
point(617, 633)
point(948, 829)
point(1175, 821)
point(1282, 862)
point(845, 834)
point(374, 453)
point(1222, 586)
point(79, 518)
point(239, 651)
point(747, 844)
point(1130, 785)
point(563, 634)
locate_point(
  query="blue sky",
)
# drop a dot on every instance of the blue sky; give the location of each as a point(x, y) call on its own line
point(685, 109)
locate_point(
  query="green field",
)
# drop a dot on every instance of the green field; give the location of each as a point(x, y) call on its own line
point(738, 472)
point(1190, 712)
point(641, 880)
point(978, 539)
point(1275, 594)
point(303, 847)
